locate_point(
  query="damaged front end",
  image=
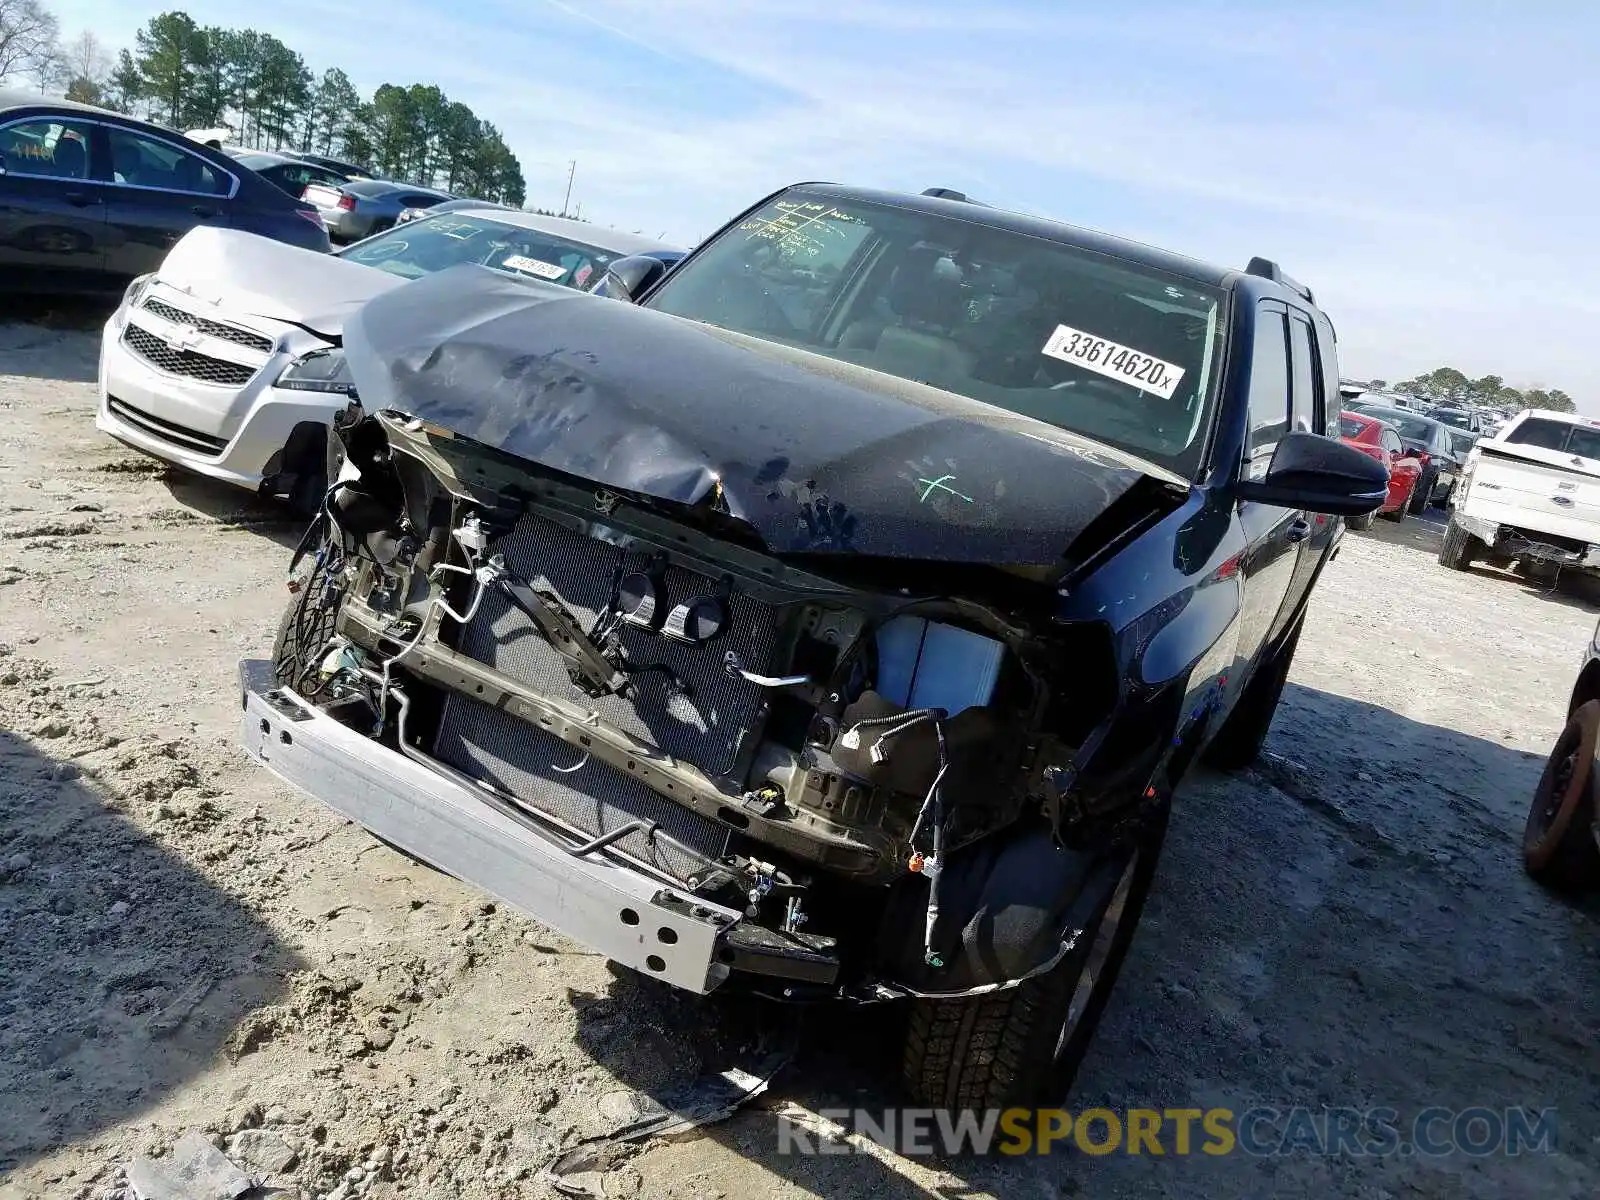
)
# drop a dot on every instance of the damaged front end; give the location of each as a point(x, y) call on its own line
point(628, 718)
point(716, 690)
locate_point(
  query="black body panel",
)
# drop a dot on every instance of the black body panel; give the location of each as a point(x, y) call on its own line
point(818, 456)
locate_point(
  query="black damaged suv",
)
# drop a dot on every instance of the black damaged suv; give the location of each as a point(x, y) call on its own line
point(832, 617)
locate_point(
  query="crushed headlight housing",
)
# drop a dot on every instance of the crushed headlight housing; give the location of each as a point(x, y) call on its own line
point(318, 371)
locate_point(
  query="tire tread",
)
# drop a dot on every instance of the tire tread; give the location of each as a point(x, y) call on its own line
point(1456, 549)
point(983, 1052)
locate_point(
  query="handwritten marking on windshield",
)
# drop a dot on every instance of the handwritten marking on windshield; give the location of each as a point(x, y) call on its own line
point(942, 484)
point(792, 227)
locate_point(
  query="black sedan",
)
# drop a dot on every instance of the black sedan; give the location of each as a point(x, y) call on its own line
point(1431, 443)
point(347, 169)
point(90, 198)
point(290, 174)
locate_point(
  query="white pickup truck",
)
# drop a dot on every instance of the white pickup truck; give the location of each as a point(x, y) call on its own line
point(1529, 496)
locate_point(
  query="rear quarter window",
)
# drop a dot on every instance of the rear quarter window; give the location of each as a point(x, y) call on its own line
point(1536, 431)
point(1584, 442)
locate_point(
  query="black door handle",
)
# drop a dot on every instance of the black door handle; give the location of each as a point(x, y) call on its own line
point(200, 210)
point(1299, 529)
point(78, 199)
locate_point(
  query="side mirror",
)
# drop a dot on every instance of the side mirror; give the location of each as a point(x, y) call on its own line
point(1413, 452)
point(1320, 475)
point(629, 278)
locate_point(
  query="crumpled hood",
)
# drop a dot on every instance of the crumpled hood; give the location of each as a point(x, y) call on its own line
point(257, 276)
point(815, 454)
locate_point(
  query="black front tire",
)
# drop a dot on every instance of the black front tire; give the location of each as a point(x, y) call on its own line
point(307, 625)
point(1024, 1045)
point(1558, 843)
point(1458, 548)
point(1238, 743)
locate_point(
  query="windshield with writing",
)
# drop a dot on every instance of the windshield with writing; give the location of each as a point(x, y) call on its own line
point(1101, 346)
point(420, 248)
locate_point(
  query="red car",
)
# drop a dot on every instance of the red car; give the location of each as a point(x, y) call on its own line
point(1380, 440)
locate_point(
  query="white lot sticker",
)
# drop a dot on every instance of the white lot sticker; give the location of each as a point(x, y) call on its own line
point(533, 266)
point(1115, 361)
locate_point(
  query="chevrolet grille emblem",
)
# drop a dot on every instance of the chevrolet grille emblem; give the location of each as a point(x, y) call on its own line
point(187, 337)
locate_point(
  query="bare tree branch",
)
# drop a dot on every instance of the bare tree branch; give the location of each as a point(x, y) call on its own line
point(86, 57)
point(28, 39)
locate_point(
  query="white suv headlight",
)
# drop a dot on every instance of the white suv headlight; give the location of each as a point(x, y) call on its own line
point(136, 291)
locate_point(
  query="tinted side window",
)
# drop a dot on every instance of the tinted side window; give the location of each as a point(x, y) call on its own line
point(1536, 431)
point(421, 201)
point(1327, 358)
point(1269, 384)
point(299, 176)
point(1584, 442)
point(46, 146)
point(1303, 390)
point(146, 162)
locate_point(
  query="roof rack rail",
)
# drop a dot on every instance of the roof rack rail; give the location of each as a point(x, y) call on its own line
point(943, 193)
point(1265, 268)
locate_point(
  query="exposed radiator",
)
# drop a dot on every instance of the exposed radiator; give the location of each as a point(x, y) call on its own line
point(706, 725)
point(526, 761)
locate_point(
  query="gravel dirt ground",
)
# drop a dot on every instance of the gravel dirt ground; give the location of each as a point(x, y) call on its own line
point(186, 945)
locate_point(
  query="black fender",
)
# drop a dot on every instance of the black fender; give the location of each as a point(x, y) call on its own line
point(1008, 906)
point(1587, 688)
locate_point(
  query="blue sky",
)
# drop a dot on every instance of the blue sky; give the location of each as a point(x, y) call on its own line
point(1430, 169)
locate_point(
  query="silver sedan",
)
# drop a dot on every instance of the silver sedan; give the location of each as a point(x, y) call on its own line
point(362, 207)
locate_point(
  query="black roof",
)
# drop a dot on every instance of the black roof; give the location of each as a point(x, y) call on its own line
point(16, 98)
point(277, 156)
point(378, 187)
point(1042, 227)
point(338, 164)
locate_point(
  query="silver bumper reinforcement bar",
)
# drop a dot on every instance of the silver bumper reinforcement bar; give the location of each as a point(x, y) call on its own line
point(466, 832)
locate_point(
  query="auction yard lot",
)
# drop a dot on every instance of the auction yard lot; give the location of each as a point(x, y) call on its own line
point(184, 944)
